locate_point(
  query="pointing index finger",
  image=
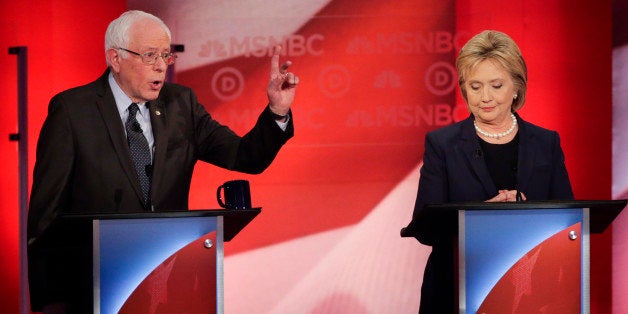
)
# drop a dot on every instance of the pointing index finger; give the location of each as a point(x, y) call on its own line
point(274, 61)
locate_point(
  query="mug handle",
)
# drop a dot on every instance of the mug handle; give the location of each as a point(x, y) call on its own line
point(219, 198)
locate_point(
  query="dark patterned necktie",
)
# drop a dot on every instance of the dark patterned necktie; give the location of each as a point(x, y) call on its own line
point(140, 152)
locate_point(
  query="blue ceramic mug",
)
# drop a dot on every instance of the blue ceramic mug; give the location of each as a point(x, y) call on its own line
point(237, 194)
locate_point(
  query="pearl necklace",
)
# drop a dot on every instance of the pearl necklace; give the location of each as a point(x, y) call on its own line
point(497, 135)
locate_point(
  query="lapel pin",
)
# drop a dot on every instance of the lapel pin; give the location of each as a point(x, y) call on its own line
point(157, 112)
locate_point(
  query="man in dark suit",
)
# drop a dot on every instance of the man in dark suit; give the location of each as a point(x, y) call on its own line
point(87, 161)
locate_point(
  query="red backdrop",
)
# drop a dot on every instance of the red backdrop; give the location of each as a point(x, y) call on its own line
point(65, 48)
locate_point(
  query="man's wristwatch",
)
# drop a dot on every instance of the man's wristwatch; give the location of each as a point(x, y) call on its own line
point(278, 116)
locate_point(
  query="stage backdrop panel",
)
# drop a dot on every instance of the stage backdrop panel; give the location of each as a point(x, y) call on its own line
point(375, 77)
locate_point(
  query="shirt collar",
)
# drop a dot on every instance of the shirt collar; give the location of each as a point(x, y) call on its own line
point(122, 100)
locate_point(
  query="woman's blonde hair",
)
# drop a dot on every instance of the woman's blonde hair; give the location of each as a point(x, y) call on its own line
point(499, 47)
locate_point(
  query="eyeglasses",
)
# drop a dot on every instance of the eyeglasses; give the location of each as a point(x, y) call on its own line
point(150, 57)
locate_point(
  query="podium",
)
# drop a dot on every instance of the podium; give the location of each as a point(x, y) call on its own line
point(525, 257)
point(164, 262)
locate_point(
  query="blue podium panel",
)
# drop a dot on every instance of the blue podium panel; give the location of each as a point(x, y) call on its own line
point(505, 255)
point(147, 263)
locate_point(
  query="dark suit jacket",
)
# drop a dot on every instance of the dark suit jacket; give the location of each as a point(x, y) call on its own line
point(454, 171)
point(84, 166)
